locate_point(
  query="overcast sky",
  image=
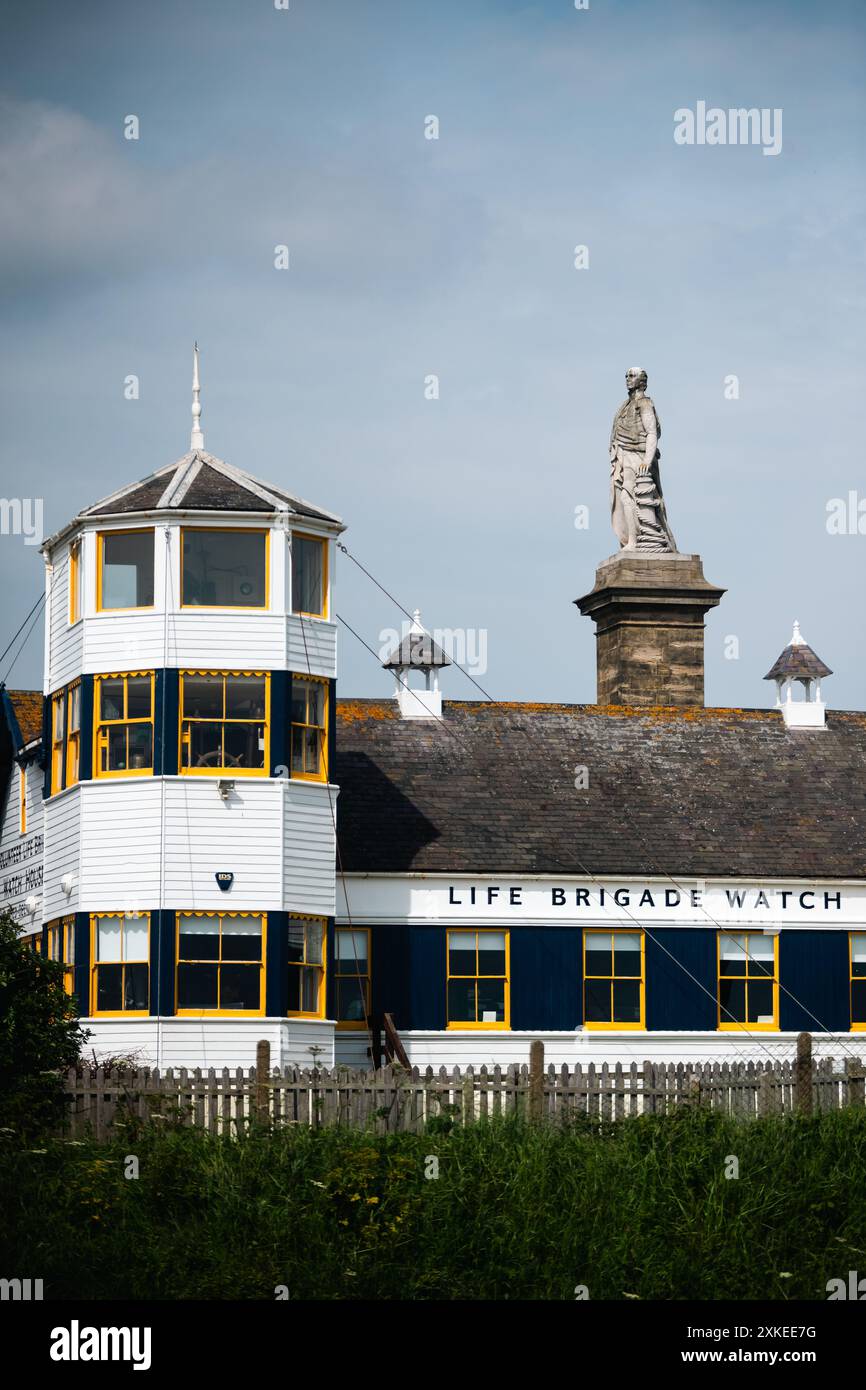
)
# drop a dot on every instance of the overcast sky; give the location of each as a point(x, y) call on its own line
point(455, 257)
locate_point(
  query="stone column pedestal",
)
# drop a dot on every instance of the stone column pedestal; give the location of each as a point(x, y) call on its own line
point(648, 612)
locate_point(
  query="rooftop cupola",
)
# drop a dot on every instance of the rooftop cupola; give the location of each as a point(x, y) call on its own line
point(799, 663)
point(417, 652)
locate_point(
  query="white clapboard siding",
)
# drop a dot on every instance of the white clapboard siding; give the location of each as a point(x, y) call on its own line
point(21, 856)
point(62, 841)
point(230, 639)
point(65, 640)
point(120, 845)
point(310, 847)
point(210, 1042)
point(123, 642)
point(206, 835)
point(312, 646)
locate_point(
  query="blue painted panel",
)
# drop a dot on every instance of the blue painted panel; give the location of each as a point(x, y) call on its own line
point(681, 983)
point(276, 965)
point(427, 1006)
point(281, 691)
point(813, 982)
point(85, 743)
point(165, 723)
point(546, 978)
point(389, 966)
point(81, 969)
point(162, 962)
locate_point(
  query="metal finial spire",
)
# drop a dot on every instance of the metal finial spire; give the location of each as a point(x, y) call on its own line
point(797, 640)
point(196, 439)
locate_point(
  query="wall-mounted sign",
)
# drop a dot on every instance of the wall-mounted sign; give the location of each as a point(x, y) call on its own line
point(225, 881)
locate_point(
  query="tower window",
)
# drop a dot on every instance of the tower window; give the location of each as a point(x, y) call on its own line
point(120, 952)
point(125, 570)
point(224, 569)
point(352, 974)
point(310, 728)
point(309, 575)
point(224, 722)
point(307, 966)
point(124, 724)
point(220, 963)
point(857, 941)
point(65, 737)
point(75, 581)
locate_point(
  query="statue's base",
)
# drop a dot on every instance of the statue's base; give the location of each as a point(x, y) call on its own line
point(648, 611)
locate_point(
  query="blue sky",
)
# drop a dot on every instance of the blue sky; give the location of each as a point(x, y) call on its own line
point(455, 257)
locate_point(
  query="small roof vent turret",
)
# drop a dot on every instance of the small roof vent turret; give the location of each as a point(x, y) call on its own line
point(799, 663)
point(416, 651)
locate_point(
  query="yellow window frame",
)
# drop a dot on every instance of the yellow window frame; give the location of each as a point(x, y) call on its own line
point(102, 726)
point(74, 581)
point(858, 1026)
point(100, 559)
point(321, 774)
point(600, 1025)
point(178, 961)
point(61, 947)
point(734, 1026)
point(477, 1025)
point(320, 540)
point(348, 974)
point(95, 1012)
point(183, 738)
point(22, 800)
point(33, 942)
point(65, 748)
point(306, 964)
point(231, 607)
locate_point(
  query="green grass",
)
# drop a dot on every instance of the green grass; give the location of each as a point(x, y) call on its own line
point(642, 1209)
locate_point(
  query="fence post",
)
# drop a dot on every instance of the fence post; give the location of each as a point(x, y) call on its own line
point(263, 1070)
point(803, 1075)
point(536, 1081)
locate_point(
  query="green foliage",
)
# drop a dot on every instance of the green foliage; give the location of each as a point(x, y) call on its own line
point(39, 1035)
point(640, 1208)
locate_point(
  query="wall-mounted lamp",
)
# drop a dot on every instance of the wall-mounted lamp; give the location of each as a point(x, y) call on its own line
point(67, 883)
point(224, 786)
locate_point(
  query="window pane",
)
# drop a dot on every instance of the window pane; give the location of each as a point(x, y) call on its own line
point(858, 1001)
point(491, 953)
point(351, 1000)
point(203, 697)
point(597, 1001)
point(491, 1001)
point(315, 938)
point(732, 953)
point(75, 709)
point(461, 953)
point(245, 697)
point(312, 744)
point(140, 746)
point(244, 745)
point(293, 1003)
point(240, 987)
point(109, 987)
point(111, 699)
point(732, 1001)
point(135, 993)
point(199, 939)
point(136, 938)
point(307, 575)
point(127, 570)
point(205, 745)
point(626, 1001)
point(116, 749)
point(197, 987)
point(316, 704)
point(296, 941)
point(297, 749)
point(626, 953)
point(311, 977)
point(599, 956)
point(352, 951)
point(761, 955)
point(760, 999)
point(108, 933)
point(461, 1001)
point(242, 938)
point(138, 703)
point(58, 719)
point(858, 953)
point(224, 568)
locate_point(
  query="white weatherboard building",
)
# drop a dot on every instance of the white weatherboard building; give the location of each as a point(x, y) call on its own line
point(641, 879)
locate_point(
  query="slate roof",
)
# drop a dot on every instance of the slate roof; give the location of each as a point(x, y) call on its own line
point(491, 789)
point(202, 482)
point(798, 662)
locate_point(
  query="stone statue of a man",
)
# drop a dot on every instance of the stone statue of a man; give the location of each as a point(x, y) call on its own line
point(636, 503)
